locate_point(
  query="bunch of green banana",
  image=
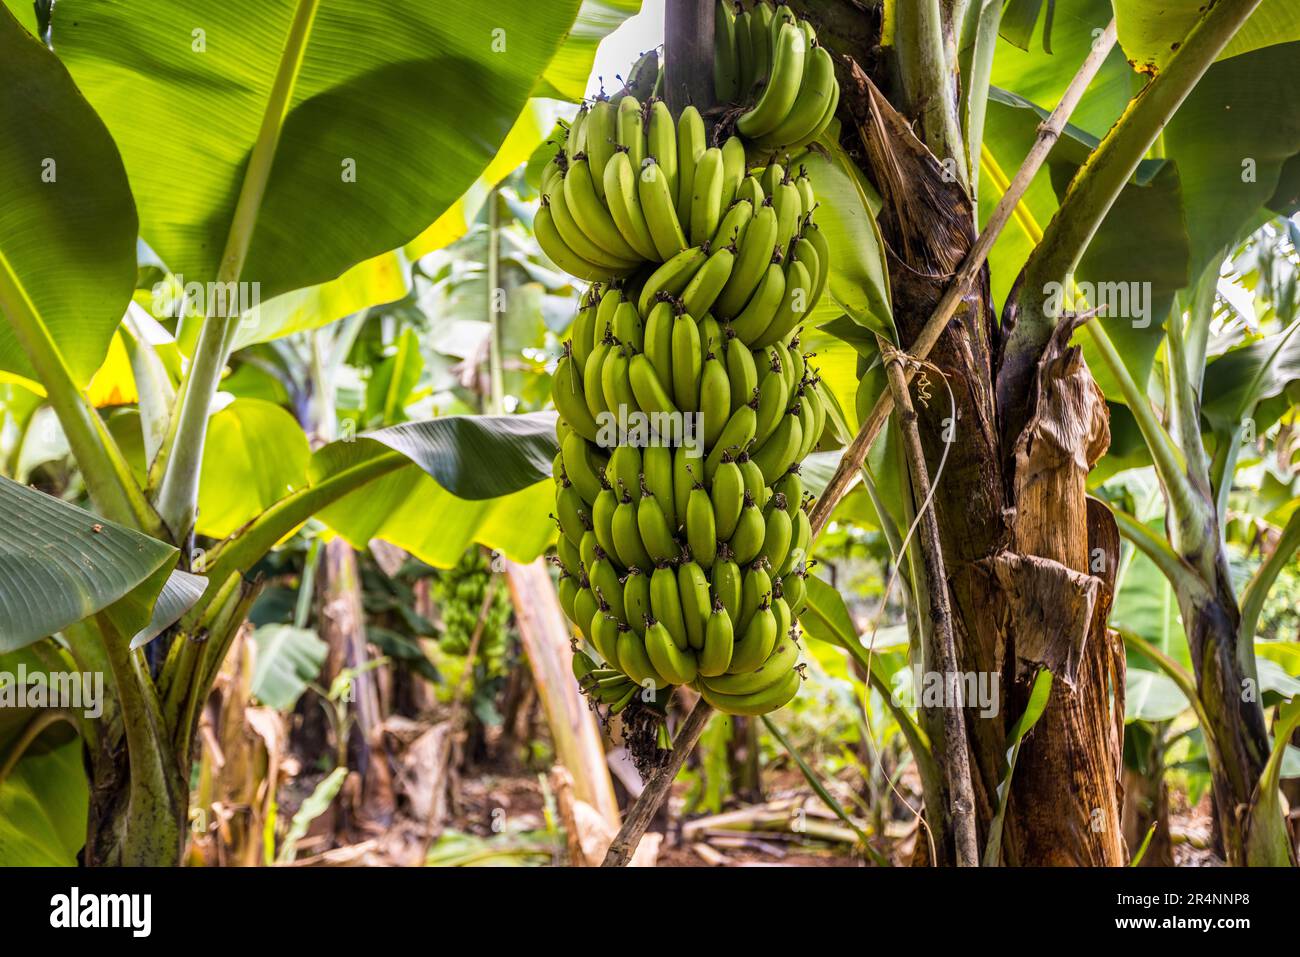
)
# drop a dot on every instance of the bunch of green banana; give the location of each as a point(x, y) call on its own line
point(768, 60)
point(683, 554)
point(459, 593)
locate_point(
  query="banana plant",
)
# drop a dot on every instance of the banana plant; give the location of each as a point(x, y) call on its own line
point(1170, 156)
point(284, 222)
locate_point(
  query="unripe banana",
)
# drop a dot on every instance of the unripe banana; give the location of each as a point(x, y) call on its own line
point(727, 496)
point(616, 384)
point(801, 538)
point(774, 670)
point(659, 341)
point(650, 394)
point(656, 534)
point(658, 206)
point(744, 55)
point(782, 88)
point(791, 486)
point(758, 638)
point(756, 249)
point(607, 308)
point(657, 462)
point(604, 635)
point(816, 90)
point(568, 590)
point(763, 305)
point(817, 238)
point(701, 531)
point(577, 240)
point(688, 363)
point(619, 183)
point(599, 135)
point(736, 434)
point(693, 589)
point(671, 278)
point(582, 333)
point(661, 142)
point(585, 607)
point(631, 129)
point(560, 253)
point(629, 330)
point(628, 546)
point(777, 533)
point(727, 581)
point(588, 549)
point(623, 472)
point(794, 306)
point(635, 662)
point(706, 197)
point(726, 66)
point(606, 585)
point(704, 287)
point(752, 190)
point(715, 398)
point(602, 520)
point(666, 604)
point(570, 399)
point(754, 483)
point(677, 665)
point(572, 514)
point(567, 553)
point(692, 141)
point(731, 231)
point(719, 639)
point(771, 177)
point(636, 598)
point(747, 540)
point(780, 451)
point(794, 591)
point(758, 703)
point(589, 212)
point(733, 169)
point(741, 370)
point(688, 468)
point(580, 467)
point(760, 27)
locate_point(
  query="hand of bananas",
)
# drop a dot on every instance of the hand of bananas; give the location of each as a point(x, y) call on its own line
point(683, 552)
point(768, 61)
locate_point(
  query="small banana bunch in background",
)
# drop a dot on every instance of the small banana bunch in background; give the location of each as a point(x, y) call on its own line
point(683, 546)
point(767, 60)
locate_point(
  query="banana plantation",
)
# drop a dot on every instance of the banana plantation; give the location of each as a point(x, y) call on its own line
point(652, 433)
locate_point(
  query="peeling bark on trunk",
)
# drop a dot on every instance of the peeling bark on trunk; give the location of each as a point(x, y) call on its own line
point(1065, 796)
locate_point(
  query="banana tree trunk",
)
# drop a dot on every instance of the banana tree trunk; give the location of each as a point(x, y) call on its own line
point(545, 635)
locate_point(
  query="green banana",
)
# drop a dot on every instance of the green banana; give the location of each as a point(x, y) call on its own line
point(744, 55)
point(568, 555)
point(703, 289)
point(755, 256)
point(580, 242)
point(736, 434)
point(782, 86)
point(757, 641)
point(752, 190)
point(659, 341)
point(570, 399)
point(606, 585)
point(794, 591)
point(800, 539)
point(715, 656)
point(728, 496)
point(726, 66)
point(758, 703)
point(692, 141)
point(733, 169)
point(585, 607)
point(706, 197)
point(727, 581)
point(623, 471)
point(636, 663)
point(760, 28)
point(741, 371)
point(658, 207)
point(784, 656)
point(589, 212)
point(604, 635)
point(661, 142)
point(560, 253)
point(602, 520)
point(817, 238)
point(671, 278)
point(763, 306)
point(715, 398)
point(816, 89)
point(630, 123)
point(731, 230)
point(629, 330)
point(571, 512)
point(628, 547)
point(621, 196)
point(615, 384)
point(777, 534)
point(754, 484)
point(688, 363)
point(656, 534)
point(568, 590)
point(651, 397)
point(580, 467)
point(779, 452)
point(747, 540)
point(693, 590)
point(676, 664)
point(666, 604)
point(701, 531)
point(636, 598)
point(794, 306)
point(582, 335)
point(657, 462)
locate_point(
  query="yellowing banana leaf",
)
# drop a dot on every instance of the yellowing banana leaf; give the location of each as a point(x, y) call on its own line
point(389, 113)
point(67, 221)
point(60, 564)
point(1150, 31)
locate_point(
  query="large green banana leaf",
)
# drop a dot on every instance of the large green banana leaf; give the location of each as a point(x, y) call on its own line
point(67, 221)
point(60, 564)
point(390, 112)
point(43, 806)
point(1151, 30)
